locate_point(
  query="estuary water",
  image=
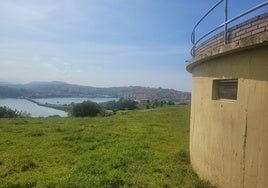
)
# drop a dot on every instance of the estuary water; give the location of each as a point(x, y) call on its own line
point(69, 100)
point(41, 111)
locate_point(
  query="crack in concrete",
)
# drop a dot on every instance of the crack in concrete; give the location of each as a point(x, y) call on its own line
point(244, 151)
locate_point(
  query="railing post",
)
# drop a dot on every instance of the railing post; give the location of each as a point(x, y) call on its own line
point(225, 20)
point(193, 42)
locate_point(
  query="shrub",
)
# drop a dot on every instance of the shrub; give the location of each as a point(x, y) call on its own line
point(126, 104)
point(171, 103)
point(122, 104)
point(6, 112)
point(86, 109)
point(110, 105)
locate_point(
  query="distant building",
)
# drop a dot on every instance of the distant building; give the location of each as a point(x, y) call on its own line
point(229, 106)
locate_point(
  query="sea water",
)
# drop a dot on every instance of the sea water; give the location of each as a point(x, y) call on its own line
point(41, 111)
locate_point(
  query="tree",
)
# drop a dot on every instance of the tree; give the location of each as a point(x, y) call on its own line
point(6, 112)
point(171, 103)
point(156, 103)
point(126, 104)
point(110, 105)
point(86, 108)
point(122, 104)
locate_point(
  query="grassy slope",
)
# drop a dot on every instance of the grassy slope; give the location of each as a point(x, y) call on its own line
point(137, 149)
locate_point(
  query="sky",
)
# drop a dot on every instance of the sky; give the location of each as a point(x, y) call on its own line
point(104, 43)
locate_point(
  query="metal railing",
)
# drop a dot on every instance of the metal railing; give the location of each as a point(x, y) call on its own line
point(223, 25)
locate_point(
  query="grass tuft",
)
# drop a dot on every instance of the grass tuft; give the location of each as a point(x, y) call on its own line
point(36, 133)
point(28, 165)
point(183, 157)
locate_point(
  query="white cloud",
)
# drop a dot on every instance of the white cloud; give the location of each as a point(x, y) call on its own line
point(24, 12)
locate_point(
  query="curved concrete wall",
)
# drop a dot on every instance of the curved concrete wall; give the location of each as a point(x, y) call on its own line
point(229, 139)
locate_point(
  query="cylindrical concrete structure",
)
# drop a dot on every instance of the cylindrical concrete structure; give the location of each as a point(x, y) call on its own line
point(229, 109)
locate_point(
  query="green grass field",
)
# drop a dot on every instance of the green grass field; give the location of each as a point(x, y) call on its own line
point(142, 148)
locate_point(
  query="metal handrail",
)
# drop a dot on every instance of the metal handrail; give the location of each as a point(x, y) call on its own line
point(224, 24)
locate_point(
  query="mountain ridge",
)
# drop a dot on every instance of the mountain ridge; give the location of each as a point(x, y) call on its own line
point(63, 89)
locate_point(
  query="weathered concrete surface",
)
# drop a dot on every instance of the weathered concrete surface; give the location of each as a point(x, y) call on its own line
point(229, 139)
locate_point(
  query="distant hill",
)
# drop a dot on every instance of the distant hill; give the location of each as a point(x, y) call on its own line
point(62, 89)
point(9, 92)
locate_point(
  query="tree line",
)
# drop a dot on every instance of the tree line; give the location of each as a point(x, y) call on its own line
point(91, 109)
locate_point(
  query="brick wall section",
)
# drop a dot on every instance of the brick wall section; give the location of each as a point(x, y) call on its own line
point(248, 28)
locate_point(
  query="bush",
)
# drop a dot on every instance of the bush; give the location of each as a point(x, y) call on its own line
point(86, 109)
point(122, 104)
point(110, 105)
point(156, 103)
point(126, 104)
point(171, 103)
point(6, 112)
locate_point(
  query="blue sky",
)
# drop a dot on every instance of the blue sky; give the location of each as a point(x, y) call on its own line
point(103, 43)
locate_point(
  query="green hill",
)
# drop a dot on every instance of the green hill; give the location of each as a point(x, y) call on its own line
point(145, 148)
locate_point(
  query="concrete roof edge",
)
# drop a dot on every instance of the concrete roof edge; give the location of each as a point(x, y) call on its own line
point(254, 41)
